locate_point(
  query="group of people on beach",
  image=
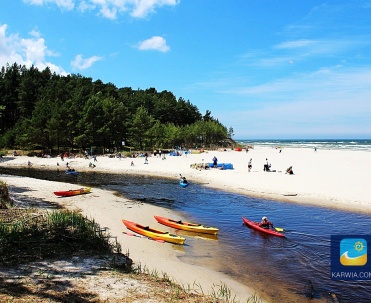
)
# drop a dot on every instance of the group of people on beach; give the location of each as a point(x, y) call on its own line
point(267, 167)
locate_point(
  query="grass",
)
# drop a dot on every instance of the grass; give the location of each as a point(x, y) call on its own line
point(31, 236)
point(35, 235)
point(5, 200)
point(190, 293)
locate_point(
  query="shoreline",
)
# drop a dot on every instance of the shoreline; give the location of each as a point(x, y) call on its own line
point(334, 179)
point(330, 179)
point(107, 209)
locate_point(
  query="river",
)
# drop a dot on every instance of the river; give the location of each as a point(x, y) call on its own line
point(288, 270)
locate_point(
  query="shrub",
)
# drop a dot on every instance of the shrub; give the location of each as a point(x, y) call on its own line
point(60, 233)
point(5, 200)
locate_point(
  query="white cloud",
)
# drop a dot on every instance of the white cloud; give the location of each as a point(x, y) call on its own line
point(34, 49)
point(332, 101)
point(304, 50)
point(109, 8)
point(81, 64)
point(144, 7)
point(155, 43)
point(63, 4)
point(25, 51)
point(327, 101)
point(295, 44)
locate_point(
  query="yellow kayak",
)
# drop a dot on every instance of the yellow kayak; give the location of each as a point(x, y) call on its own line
point(153, 233)
point(187, 226)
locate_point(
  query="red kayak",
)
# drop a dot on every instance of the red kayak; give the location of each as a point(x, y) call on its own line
point(72, 192)
point(255, 225)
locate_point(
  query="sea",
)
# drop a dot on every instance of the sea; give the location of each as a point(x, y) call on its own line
point(335, 144)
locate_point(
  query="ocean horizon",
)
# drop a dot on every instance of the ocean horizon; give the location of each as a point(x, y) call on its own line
point(335, 144)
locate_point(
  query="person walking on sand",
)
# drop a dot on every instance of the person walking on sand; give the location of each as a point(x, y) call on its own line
point(249, 165)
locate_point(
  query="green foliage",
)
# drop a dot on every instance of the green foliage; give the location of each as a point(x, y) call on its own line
point(5, 199)
point(50, 235)
point(42, 110)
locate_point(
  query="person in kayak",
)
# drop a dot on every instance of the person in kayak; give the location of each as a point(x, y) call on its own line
point(265, 223)
point(183, 179)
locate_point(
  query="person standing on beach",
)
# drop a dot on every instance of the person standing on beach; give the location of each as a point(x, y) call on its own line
point(215, 162)
point(249, 165)
point(266, 165)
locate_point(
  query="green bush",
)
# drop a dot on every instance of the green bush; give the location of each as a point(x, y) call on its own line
point(60, 233)
point(5, 200)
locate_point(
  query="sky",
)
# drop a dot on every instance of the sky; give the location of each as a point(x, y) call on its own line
point(269, 69)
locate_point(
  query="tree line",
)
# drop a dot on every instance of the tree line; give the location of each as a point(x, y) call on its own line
point(44, 110)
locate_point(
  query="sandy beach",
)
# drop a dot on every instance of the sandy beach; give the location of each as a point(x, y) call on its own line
point(329, 178)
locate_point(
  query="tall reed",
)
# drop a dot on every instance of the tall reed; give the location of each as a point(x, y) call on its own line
point(54, 234)
point(5, 200)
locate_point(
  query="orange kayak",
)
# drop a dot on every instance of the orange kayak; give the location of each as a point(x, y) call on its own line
point(153, 233)
point(72, 192)
point(187, 226)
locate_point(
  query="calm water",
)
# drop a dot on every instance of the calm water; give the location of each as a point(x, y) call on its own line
point(293, 269)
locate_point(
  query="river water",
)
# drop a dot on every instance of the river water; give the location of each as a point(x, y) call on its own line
point(286, 270)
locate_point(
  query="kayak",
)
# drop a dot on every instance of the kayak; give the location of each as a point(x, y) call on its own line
point(153, 233)
point(187, 226)
point(72, 192)
point(255, 225)
point(183, 184)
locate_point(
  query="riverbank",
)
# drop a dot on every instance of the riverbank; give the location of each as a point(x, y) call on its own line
point(328, 178)
point(107, 209)
point(334, 179)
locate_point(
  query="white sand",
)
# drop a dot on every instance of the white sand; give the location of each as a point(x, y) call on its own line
point(331, 178)
point(337, 179)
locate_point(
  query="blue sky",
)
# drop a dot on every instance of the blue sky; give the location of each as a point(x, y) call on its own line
point(270, 69)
